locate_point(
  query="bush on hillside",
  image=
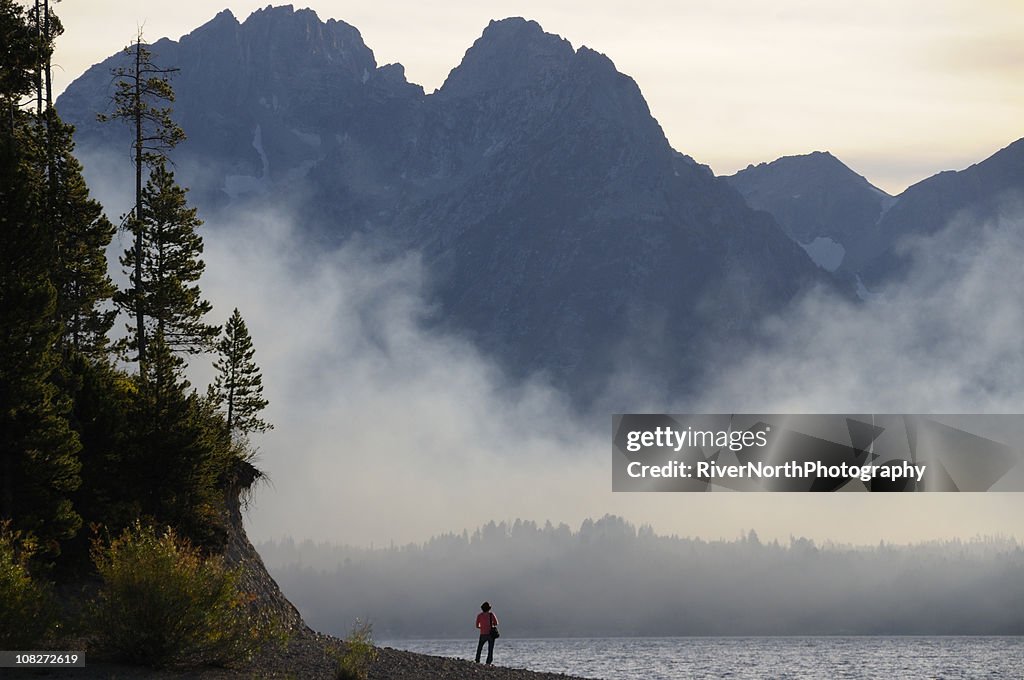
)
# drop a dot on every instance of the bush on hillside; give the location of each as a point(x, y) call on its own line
point(164, 603)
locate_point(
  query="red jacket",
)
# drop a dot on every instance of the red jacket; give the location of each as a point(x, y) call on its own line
point(483, 622)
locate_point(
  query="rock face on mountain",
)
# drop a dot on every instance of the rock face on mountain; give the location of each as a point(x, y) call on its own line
point(820, 203)
point(261, 102)
point(563, 232)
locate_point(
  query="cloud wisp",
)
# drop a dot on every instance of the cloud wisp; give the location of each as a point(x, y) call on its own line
point(384, 430)
point(945, 339)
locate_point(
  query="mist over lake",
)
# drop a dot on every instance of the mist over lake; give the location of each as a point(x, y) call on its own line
point(609, 578)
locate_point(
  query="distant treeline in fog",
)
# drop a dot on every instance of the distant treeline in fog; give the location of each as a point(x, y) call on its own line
point(611, 579)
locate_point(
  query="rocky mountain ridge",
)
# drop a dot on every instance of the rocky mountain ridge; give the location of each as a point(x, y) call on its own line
point(562, 231)
point(816, 199)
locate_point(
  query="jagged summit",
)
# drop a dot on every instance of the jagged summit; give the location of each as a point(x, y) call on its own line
point(516, 53)
point(278, 11)
point(340, 43)
point(223, 15)
point(517, 28)
point(304, 16)
point(510, 54)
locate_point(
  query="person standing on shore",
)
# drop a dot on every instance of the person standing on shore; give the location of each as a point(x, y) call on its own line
point(488, 625)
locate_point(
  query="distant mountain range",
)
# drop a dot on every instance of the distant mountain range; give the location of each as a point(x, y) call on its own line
point(851, 227)
point(562, 231)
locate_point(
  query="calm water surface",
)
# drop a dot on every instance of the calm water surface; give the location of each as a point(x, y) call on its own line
point(755, 657)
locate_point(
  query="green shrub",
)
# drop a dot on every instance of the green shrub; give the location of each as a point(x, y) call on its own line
point(29, 609)
point(163, 603)
point(354, 663)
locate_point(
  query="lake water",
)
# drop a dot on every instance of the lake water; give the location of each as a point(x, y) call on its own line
point(749, 657)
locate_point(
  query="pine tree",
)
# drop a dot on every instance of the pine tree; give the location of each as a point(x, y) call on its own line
point(142, 89)
point(19, 58)
point(81, 234)
point(179, 453)
point(38, 449)
point(166, 293)
point(79, 230)
point(238, 388)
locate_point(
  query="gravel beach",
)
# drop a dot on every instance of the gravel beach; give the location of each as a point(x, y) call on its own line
point(307, 656)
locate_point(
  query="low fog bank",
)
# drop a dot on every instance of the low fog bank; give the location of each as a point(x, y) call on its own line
point(609, 579)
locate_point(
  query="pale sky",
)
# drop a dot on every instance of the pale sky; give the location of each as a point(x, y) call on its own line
point(898, 89)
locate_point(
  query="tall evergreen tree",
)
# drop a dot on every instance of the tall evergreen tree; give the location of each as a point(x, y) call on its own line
point(47, 27)
point(52, 28)
point(38, 449)
point(81, 234)
point(238, 388)
point(166, 293)
point(142, 91)
point(79, 230)
point(18, 59)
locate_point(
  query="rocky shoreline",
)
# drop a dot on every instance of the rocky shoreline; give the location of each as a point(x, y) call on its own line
point(310, 656)
point(306, 656)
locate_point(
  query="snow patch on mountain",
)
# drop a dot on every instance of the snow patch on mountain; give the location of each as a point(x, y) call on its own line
point(236, 186)
point(825, 253)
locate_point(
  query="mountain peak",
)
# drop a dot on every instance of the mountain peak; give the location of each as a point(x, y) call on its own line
point(223, 23)
point(512, 26)
point(278, 10)
point(510, 54)
point(224, 15)
point(285, 35)
point(282, 15)
point(816, 198)
point(823, 159)
point(818, 168)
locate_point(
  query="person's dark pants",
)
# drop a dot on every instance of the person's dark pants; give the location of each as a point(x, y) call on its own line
point(490, 648)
